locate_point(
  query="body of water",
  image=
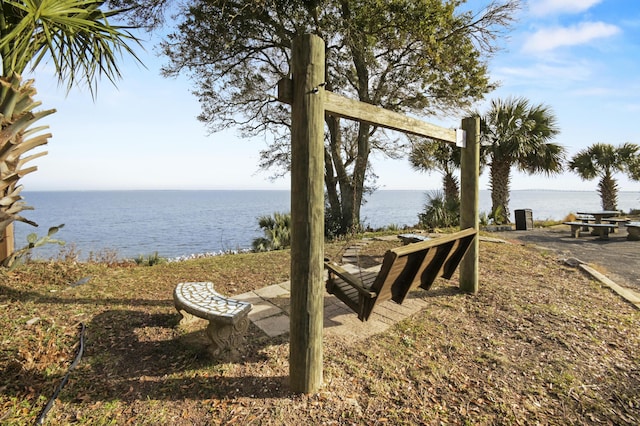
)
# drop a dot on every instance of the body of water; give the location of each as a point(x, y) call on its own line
point(181, 223)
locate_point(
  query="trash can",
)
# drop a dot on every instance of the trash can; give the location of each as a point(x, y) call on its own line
point(524, 220)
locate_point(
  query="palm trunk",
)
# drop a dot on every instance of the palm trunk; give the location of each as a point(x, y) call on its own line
point(16, 117)
point(608, 190)
point(500, 177)
point(450, 185)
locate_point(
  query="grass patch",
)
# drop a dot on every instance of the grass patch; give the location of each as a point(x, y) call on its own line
point(540, 343)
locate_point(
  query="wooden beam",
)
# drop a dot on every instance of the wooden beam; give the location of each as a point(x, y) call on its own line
point(366, 113)
point(469, 201)
point(307, 215)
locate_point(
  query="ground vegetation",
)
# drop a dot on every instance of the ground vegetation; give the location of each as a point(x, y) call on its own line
point(540, 343)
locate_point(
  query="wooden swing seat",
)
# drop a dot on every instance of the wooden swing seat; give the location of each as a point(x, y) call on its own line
point(403, 269)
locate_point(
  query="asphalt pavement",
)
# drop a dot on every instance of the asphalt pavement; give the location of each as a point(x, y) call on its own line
point(617, 257)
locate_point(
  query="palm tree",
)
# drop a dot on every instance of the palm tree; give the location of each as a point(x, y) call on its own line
point(77, 38)
point(75, 35)
point(516, 133)
point(430, 155)
point(604, 160)
point(634, 169)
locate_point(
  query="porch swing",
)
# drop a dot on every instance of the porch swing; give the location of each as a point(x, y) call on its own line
point(403, 269)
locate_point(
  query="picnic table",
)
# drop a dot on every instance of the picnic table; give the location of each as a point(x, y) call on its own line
point(600, 229)
point(599, 215)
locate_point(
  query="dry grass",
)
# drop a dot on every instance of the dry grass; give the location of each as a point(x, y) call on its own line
point(541, 343)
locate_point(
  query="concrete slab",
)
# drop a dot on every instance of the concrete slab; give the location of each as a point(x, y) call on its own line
point(250, 297)
point(264, 309)
point(271, 291)
point(286, 285)
point(274, 326)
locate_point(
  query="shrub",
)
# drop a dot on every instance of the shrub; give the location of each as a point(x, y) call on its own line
point(440, 212)
point(277, 232)
point(150, 260)
point(32, 242)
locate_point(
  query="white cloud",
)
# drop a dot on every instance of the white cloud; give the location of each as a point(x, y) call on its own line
point(546, 7)
point(550, 74)
point(551, 38)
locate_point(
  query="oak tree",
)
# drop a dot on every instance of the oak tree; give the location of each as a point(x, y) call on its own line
point(417, 57)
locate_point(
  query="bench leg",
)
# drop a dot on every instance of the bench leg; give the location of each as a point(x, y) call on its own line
point(186, 318)
point(227, 337)
point(633, 233)
point(575, 231)
point(603, 233)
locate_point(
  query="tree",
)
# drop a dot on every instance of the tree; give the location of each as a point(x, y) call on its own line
point(516, 133)
point(428, 155)
point(603, 160)
point(77, 38)
point(440, 211)
point(634, 169)
point(74, 35)
point(408, 56)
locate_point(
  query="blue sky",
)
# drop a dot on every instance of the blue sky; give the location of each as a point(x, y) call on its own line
point(580, 57)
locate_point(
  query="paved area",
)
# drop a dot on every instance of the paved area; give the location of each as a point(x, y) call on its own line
point(617, 258)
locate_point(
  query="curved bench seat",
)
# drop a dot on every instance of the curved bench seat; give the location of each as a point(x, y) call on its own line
point(228, 318)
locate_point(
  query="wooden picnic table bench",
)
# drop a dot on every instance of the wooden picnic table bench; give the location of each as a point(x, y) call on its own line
point(228, 318)
point(403, 269)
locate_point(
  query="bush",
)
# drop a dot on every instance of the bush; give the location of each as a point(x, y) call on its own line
point(440, 212)
point(277, 232)
point(33, 241)
point(150, 260)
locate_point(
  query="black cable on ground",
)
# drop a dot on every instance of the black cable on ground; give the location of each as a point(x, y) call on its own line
point(65, 379)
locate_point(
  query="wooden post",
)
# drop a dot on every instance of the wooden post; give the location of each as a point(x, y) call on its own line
point(307, 214)
point(469, 195)
point(7, 242)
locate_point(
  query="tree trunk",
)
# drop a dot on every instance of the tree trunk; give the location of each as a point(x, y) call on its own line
point(359, 173)
point(499, 178)
point(450, 185)
point(608, 190)
point(330, 178)
point(345, 203)
point(339, 187)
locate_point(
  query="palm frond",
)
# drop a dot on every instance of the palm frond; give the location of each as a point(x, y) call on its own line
point(75, 35)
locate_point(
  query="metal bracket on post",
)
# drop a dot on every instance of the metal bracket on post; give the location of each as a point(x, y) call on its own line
point(461, 138)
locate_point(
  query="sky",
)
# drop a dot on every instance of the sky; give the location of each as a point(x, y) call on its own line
point(580, 57)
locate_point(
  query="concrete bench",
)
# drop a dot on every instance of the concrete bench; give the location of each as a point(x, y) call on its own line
point(585, 219)
point(619, 221)
point(412, 238)
point(602, 229)
point(228, 318)
point(633, 229)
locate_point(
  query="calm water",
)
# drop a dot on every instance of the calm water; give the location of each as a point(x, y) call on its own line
point(180, 223)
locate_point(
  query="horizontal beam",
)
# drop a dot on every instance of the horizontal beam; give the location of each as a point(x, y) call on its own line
point(340, 106)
